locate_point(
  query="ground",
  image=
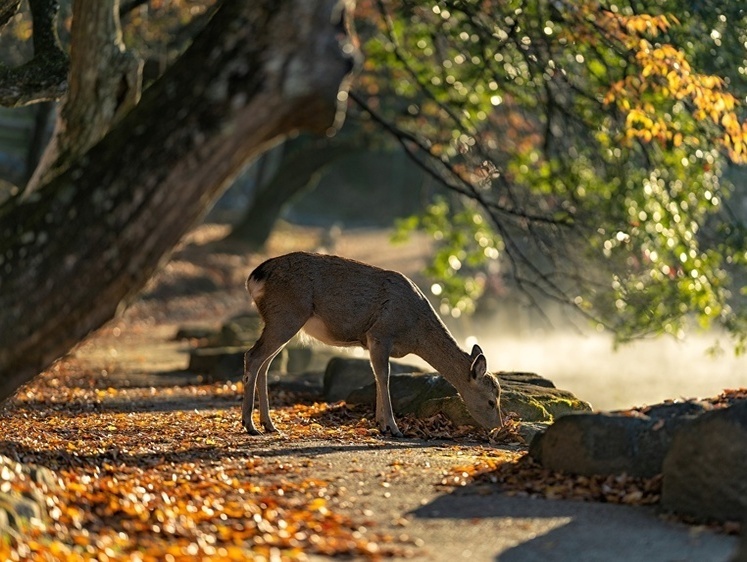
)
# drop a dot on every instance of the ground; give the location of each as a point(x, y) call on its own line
point(153, 463)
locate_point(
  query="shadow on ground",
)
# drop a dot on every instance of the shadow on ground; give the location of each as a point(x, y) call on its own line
point(574, 530)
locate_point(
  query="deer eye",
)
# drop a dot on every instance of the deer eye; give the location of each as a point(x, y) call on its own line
point(491, 403)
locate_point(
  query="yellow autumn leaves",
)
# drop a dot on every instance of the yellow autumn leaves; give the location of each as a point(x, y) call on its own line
point(666, 85)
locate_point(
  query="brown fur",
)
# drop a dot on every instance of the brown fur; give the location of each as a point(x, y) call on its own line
point(348, 303)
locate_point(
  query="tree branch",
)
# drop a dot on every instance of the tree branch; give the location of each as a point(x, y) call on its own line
point(105, 82)
point(8, 9)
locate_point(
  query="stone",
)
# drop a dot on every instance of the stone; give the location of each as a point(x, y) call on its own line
point(603, 444)
point(529, 430)
point(241, 330)
point(519, 377)
point(705, 469)
point(223, 363)
point(195, 331)
point(612, 442)
point(227, 363)
point(451, 406)
point(407, 391)
point(671, 410)
point(535, 398)
point(427, 394)
point(308, 382)
point(344, 375)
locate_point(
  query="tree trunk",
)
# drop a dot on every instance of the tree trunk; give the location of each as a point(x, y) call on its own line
point(83, 244)
point(104, 84)
point(8, 9)
point(300, 169)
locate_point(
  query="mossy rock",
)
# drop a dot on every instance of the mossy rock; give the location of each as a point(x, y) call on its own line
point(533, 403)
point(240, 330)
point(531, 397)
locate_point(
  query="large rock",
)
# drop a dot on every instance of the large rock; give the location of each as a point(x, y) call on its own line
point(612, 443)
point(705, 470)
point(241, 330)
point(534, 398)
point(217, 363)
point(227, 362)
point(343, 375)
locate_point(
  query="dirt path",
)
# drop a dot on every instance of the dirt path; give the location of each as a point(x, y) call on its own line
point(154, 464)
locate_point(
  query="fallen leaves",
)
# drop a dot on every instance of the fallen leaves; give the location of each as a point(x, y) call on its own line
point(149, 475)
point(159, 473)
point(517, 474)
point(520, 475)
point(168, 473)
point(528, 478)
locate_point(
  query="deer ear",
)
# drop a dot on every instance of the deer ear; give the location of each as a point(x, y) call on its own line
point(479, 367)
point(476, 350)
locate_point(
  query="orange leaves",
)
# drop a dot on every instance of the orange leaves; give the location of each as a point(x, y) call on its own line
point(666, 85)
point(154, 474)
point(522, 476)
point(644, 24)
point(168, 472)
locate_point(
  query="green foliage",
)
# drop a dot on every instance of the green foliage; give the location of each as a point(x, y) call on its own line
point(592, 138)
point(465, 247)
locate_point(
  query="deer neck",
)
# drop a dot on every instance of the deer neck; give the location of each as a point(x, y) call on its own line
point(443, 353)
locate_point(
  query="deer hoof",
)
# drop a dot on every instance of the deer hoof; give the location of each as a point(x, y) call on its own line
point(250, 428)
point(391, 430)
point(270, 427)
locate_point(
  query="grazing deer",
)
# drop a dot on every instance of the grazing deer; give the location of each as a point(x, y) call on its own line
point(342, 302)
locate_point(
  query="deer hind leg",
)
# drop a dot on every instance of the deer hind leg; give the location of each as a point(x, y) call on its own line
point(256, 363)
point(379, 353)
point(264, 399)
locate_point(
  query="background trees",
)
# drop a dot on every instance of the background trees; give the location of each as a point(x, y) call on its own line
point(592, 137)
point(587, 144)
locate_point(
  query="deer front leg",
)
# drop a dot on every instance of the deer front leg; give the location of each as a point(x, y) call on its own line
point(380, 363)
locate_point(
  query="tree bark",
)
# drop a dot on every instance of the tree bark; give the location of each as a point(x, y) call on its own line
point(39, 137)
point(82, 245)
point(104, 84)
point(8, 9)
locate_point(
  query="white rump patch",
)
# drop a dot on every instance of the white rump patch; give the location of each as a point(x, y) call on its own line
point(256, 288)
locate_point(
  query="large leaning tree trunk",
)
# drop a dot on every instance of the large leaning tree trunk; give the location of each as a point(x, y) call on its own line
point(83, 244)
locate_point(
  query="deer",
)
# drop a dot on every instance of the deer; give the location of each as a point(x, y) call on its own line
point(343, 302)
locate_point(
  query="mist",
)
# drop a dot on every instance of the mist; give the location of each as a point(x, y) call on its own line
point(636, 374)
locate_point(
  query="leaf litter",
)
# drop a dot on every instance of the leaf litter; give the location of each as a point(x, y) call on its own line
point(168, 473)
